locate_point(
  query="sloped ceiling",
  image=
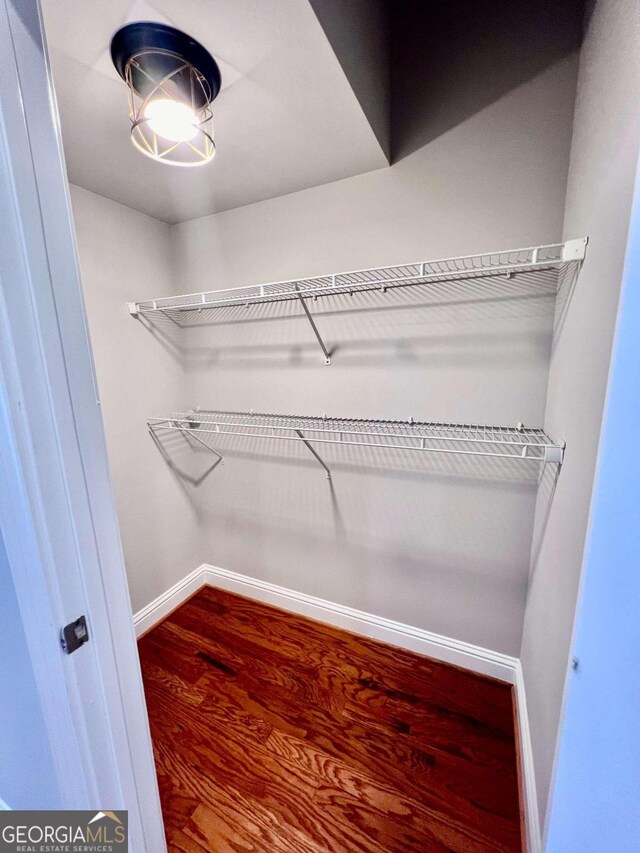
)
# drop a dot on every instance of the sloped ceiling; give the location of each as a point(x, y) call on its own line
point(360, 34)
point(287, 117)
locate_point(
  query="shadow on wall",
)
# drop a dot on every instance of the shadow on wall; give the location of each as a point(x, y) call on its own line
point(343, 542)
point(566, 285)
point(452, 58)
point(546, 492)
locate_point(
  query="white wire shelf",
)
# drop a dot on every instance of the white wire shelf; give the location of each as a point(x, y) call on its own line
point(404, 275)
point(504, 442)
point(182, 309)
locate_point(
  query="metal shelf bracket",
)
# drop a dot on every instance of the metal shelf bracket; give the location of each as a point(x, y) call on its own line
point(574, 250)
point(327, 357)
point(315, 453)
point(189, 433)
point(555, 454)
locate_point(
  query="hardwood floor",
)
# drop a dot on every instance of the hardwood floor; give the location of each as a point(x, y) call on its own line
point(276, 733)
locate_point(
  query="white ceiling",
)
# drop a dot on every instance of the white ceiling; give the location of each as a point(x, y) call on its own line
point(286, 118)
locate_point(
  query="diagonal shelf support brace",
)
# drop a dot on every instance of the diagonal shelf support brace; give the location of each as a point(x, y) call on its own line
point(327, 357)
point(208, 447)
point(315, 453)
point(186, 434)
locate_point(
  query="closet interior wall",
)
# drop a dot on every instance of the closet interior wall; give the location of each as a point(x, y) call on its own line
point(604, 156)
point(138, 374)
point(437, 542)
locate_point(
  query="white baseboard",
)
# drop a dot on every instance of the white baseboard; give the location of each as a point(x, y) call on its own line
point(160, 607)
point(416, 640)
point(475, 658)
point(527, 769)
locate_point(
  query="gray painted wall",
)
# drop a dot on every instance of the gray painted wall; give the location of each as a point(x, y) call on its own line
point(125, 255)
point(600, 189)
point(444, 546)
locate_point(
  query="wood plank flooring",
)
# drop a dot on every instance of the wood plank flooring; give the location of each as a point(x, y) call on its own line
point(276, 733)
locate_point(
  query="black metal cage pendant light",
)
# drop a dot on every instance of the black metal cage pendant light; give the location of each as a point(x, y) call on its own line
point(172, 81)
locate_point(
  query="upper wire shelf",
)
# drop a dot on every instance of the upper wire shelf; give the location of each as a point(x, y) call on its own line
point(402, 275)
point(182, 309)
point(505, 442)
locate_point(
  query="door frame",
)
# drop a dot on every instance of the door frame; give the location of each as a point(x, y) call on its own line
point(57, 513)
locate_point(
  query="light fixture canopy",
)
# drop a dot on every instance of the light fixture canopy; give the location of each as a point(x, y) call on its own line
point(172, 81)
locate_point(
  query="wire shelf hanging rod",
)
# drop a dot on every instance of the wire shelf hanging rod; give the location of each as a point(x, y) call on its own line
point(201, 302)
point(545, 457)
point(535, 445)
point(534, 437)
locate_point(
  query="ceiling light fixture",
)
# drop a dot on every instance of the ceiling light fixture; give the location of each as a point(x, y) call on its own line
point(172, 81)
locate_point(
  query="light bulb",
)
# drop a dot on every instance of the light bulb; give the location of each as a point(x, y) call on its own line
point(171, 119)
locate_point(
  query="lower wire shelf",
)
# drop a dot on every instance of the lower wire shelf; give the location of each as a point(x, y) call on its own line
point(504, 442)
